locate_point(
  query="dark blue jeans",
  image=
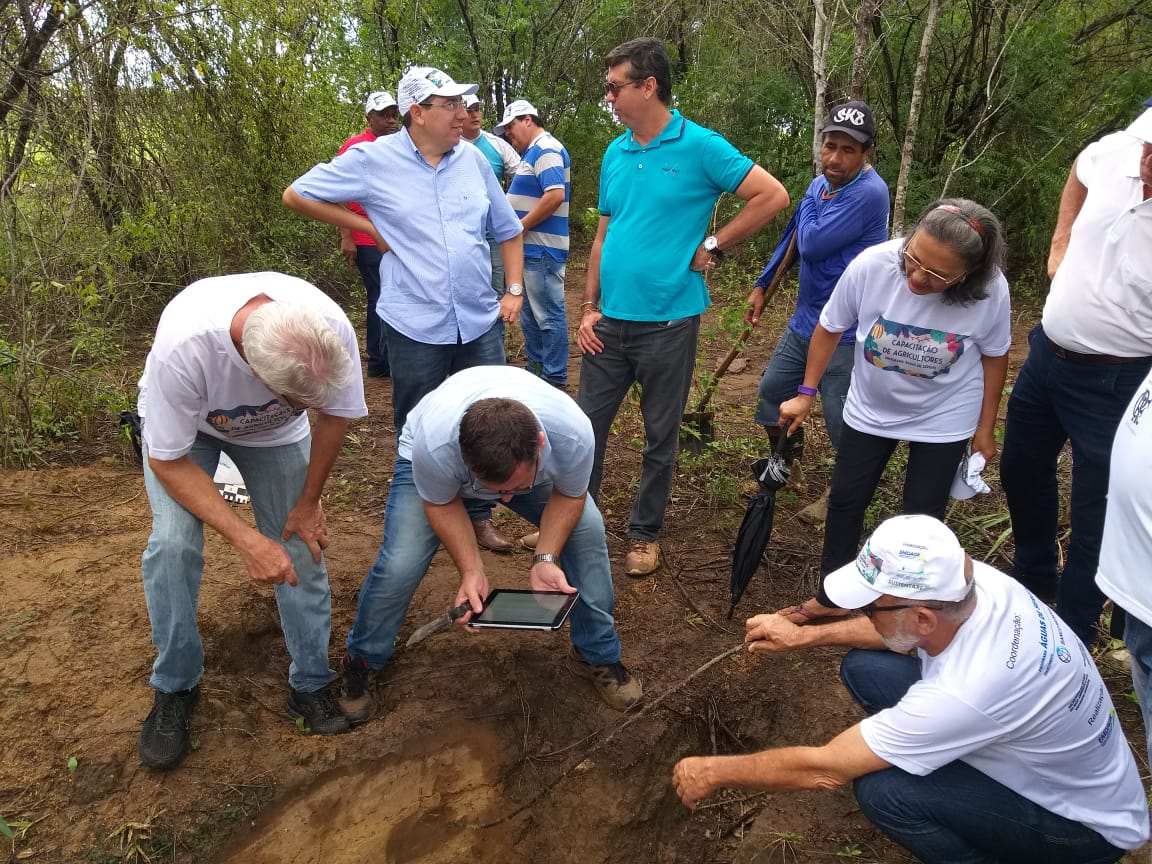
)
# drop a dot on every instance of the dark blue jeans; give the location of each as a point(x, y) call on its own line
point(1055, 401)
point(860, 462)
point(660, 356)
point(419, 368)
point(368, 263)
point(956, 814)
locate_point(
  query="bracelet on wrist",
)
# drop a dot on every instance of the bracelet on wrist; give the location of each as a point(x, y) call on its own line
point(804, 390)
point(588, 303)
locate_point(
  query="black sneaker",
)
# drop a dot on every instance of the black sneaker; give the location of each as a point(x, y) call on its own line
point(356, 703)
point(164, 735)
point(316, 713)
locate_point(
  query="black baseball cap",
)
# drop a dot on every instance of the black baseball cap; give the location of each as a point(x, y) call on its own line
point(852, 118)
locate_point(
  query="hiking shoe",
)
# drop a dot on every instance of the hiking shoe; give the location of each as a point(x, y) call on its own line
point(643, 557)
point(164, 735)
point(316, 713)
point(617, 687)
point(356, 704)
point(815, 513)
point(529, 541)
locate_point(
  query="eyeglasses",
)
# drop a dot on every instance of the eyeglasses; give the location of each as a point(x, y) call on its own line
point(931, 274)
point(871, 609)
point(475, 108)
point(482, 489)
point(451, 105)
point(611, 88)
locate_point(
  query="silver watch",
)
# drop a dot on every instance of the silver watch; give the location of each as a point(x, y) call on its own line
point(516, 289)
point(543, 558)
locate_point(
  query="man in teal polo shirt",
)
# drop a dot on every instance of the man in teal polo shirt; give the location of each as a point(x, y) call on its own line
point(659, 182)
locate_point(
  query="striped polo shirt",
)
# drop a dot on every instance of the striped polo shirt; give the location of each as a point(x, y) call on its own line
point(545, 165)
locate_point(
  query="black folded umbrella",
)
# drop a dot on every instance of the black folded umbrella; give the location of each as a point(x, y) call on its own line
point(771, 474)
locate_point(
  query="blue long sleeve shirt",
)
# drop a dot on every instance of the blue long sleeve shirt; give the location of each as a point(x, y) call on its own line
point(831, 228)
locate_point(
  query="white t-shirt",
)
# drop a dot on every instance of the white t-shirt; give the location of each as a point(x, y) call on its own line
point(431, 435)
point(1016, 696)
point(1101, 297)
point(1126, 550)
point(917, 374)
point(196, 381)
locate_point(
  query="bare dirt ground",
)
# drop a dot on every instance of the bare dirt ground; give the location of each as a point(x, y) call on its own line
point(484, 747)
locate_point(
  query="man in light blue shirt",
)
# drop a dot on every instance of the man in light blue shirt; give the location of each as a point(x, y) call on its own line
point(493, 434)
point(429, 203)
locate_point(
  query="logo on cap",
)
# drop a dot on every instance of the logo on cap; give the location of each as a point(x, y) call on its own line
point(853, 116)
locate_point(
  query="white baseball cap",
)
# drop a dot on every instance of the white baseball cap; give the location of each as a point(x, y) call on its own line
point(421, 82)
point(914, 557)
point(517, 109)
point(471, 99)
point(1142, 126)
point(378, 101)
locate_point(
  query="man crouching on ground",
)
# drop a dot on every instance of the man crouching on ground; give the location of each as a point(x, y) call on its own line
point(491, 432)
point(996, 741)
point(235, 363)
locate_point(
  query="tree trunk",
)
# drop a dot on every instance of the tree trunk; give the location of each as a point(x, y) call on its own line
point(868, 11)
point(910, 129)
point(821, 36)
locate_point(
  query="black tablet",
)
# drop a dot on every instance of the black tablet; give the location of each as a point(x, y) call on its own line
point(510, 608)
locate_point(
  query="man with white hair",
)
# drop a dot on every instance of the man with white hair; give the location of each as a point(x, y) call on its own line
point(1086, 358)
point(429, 202)
point(997, 741)
point(236, 362)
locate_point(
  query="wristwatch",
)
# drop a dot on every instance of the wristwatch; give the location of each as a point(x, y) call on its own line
point(713, 248)
point(516, 289)
point(544, 558)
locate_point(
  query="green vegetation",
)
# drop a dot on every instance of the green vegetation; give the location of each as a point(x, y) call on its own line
point(146, 143)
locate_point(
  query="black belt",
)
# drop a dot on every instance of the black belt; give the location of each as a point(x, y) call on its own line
point(1075, 357)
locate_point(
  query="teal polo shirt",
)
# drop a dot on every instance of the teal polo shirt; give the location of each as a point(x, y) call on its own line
point(659, 199)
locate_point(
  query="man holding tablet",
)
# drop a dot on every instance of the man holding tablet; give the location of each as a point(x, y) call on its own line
point(494, 433)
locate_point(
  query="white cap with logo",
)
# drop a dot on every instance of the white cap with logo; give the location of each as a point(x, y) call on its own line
point(913, 557)
point(378, 101)
point(517, 109)
point(421, 82)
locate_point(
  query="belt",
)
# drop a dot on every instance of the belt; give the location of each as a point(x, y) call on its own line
point(1076, 357)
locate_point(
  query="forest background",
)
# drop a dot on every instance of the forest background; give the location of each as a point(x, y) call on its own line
point(145, 143)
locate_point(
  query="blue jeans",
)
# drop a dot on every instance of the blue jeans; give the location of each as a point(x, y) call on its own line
point(1138, 640)
point(368, 263)
point(956, 814)
point(408, 547)
point(1054, 401)
point(660, 355)
point(419, 368)
point(544, 321)
point(785, 373)
point(173, 563)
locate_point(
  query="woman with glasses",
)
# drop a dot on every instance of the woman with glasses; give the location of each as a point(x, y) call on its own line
point(933, 328)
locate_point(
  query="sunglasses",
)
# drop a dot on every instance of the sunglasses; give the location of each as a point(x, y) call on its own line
point(611, 88)
point(475, 109)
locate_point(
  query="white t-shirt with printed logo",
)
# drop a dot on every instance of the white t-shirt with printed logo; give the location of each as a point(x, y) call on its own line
point(1126, 549)
point(196, 381)
point(1016, 696)
point(917, 372)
